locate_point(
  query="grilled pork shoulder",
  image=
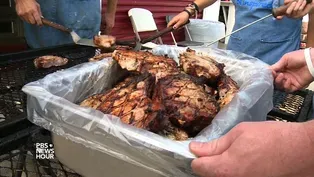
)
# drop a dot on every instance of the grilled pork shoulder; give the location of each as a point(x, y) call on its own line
point(200, 66)
point(100, 57)
point(142, 62)
point(185, 102)
point(227, 88)
point(162, 99)
point(130, 101)
point(104, 41)
point(49, 61)
point(173, 132)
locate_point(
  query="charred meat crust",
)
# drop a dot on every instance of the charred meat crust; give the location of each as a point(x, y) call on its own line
point(201, 66)
point(227, 88)
point(142, 62)
point(185, 103)
point(131, 101)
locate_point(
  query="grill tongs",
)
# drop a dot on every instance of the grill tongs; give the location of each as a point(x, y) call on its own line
point(135, 44)
point(139, 44)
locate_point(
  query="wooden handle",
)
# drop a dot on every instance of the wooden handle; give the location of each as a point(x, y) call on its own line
point(125, 42)
point(55, 25)
point(280, 11)
point(160, 33)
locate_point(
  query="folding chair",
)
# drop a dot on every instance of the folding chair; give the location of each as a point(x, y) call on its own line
point(183, 43)
point(143, 21)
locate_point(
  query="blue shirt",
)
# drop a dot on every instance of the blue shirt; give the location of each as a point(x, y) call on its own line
point(267, 40)
point(82, 16)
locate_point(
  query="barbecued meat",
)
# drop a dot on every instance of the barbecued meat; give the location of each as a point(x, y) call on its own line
point(185, 102)
point(173, 132)
point(142, 62)
point(227, 88)
point(49, 61)
point(200, 66)
point(104, 41)
point(100, 57)
point(122, 47)
point(130, 101)
point(162, 99)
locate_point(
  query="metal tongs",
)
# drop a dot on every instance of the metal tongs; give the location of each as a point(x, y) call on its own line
point(139, 44)
point(136, 44)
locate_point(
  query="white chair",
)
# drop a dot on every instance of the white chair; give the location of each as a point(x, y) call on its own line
point(143, 21)
point(212, 12)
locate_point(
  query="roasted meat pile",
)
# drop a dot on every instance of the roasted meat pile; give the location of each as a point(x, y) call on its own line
point(164, 98)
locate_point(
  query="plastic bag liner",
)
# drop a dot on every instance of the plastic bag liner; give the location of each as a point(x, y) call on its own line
point(52, 103)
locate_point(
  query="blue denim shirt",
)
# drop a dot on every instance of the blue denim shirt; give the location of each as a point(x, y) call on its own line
point(82, 16)
point(267, 40)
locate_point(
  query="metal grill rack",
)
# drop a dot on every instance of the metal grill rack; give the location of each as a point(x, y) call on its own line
point(22, 162)
point(293, 107)
point(17, 70)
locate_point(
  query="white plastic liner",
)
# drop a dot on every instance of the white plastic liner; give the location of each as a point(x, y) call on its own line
point(52, 103)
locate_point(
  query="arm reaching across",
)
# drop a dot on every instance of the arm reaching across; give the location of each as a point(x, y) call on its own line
point(291, 72)
point(110, 15)
point(183, 17)
point(258, 149)
point(29, 11)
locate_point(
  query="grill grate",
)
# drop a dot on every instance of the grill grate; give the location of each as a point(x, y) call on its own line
point(18, 70)
point(22, 162)
point(293, 107)
point(288, 103)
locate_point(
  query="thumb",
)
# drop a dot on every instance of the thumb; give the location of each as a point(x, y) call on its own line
point(280, 65)
point(215, 147)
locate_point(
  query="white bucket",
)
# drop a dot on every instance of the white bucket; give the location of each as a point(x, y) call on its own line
point(205, 31)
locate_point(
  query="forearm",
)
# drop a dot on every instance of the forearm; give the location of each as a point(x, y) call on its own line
point(111, 6)
point(204, 3)
point(310, 31)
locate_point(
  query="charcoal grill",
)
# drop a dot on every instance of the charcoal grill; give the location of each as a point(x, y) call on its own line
point(16, 132)
point(293, 107)
point(18, 69)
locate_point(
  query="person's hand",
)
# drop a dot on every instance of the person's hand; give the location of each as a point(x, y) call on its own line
point(178, 20)
point(29, 11)
point(291, 72)
point(257, 149)
point(297, 8)
point(109, 20)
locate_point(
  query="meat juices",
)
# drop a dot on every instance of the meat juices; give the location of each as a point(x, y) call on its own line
point(49, 61)
point(160, 98)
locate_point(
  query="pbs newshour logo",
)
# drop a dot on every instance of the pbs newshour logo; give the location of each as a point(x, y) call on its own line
point(44, 151)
